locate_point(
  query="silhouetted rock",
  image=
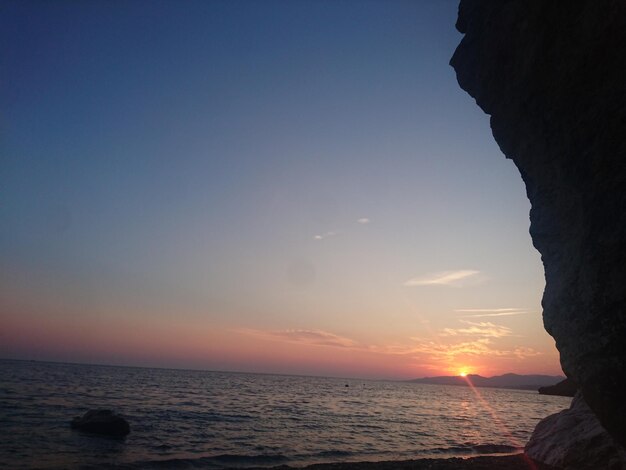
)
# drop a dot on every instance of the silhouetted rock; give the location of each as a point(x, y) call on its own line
point(565, 388)
point(575, 439)
point(101, 422)
point(552, 75)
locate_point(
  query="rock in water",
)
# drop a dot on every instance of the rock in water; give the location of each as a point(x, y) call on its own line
point(102, 422)
point(574, 439)
point(552, 75)
point(565, 388)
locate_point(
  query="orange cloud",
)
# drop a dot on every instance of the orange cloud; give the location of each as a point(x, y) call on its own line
point(480, 347)
point(425, 352)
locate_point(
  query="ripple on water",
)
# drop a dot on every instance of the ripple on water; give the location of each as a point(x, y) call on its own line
point(216, 420)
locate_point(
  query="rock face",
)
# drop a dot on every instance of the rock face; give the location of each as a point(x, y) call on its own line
point(103, 422)
point(575, 439)
point(565, 388)
point(552, 75)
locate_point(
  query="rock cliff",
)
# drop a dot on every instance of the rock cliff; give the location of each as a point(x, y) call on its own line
point(552, 75)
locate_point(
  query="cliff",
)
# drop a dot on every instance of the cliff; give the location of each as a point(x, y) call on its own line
point(552, 75)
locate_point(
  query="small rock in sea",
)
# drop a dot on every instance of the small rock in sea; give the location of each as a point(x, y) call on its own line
point(103, 422)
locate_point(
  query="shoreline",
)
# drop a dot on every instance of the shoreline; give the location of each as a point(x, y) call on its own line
point(487, 462)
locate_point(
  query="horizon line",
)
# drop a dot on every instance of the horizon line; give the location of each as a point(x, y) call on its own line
point(95, 364)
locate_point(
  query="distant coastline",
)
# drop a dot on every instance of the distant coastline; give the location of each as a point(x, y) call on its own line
point(507, 381)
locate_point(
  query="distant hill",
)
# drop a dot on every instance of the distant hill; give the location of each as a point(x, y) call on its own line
point(521, 382)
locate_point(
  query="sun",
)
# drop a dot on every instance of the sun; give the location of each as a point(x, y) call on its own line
point(462, 371)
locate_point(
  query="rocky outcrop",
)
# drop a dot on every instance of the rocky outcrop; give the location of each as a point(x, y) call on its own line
point(552, 75)
point(565, 388)
point(103, 422)
point(574, 439)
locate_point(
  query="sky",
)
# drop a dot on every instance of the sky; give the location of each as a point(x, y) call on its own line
point(295, 187)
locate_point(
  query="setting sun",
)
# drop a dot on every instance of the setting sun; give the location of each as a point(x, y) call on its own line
point(463, 373)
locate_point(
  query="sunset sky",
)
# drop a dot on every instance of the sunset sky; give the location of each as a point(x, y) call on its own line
point(278, 186)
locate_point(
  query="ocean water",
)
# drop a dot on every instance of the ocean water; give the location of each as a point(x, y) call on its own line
point(198, 419)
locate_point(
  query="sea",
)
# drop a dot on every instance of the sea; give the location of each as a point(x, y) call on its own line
point(200, 419)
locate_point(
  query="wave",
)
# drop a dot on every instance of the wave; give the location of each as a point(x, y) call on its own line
point(214, 421)
point(331, 454)
point(199, 416)
point(223, 461)
point(481, 449)
point(211, 462)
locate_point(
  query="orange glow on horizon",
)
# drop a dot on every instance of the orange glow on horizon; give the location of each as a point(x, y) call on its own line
point(127, 338)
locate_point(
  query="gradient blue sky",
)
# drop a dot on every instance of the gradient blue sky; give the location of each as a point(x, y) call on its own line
point(193, 173)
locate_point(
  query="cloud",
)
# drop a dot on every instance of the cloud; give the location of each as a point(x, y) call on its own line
point(303, 336)
point(482, 347)
point(439, 351)
point(446, 278)
point(481, 329)
point(324, 235)
point(522, 352)
point(453, 345)
point(447, 349)
point(503, 314)
point(468, 310)
point(491, 312)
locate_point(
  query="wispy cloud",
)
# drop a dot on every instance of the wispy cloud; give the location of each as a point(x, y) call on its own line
point(303, 336)
point(324, 235)
point(432, 351)
point(332, 233)
point(470, 310)
point(483, 347)
point(490, 312)
point(446, 278)
point(503, 314)
point(447, 348)
point(522, 352)
point(479, 329)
